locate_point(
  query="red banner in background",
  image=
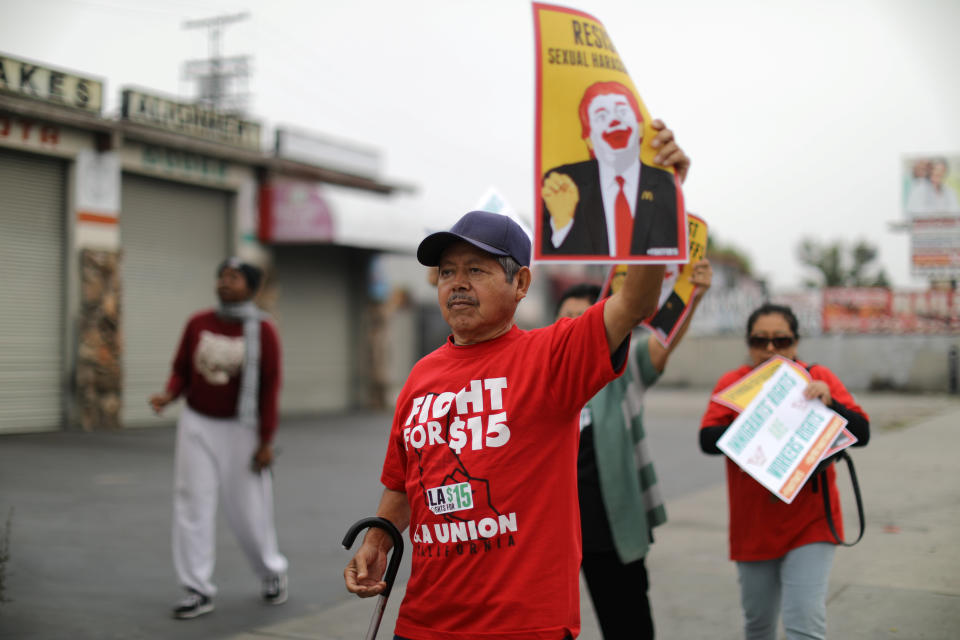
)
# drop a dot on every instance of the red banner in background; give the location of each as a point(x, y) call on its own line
point(877, 310)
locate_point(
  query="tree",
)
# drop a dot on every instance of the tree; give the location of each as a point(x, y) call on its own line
point(841, 266)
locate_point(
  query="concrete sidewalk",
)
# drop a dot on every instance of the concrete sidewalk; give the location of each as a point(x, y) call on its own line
point(901, 581)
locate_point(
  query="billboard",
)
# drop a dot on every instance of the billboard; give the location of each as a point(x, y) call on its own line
point(931, 206)
point(931, 186)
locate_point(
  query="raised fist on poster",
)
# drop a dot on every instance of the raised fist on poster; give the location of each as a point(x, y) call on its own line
point(560, 195)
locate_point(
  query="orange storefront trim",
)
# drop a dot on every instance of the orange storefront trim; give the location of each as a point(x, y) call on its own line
point(84, 216)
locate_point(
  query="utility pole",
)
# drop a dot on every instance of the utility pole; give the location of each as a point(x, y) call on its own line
point(215, 75)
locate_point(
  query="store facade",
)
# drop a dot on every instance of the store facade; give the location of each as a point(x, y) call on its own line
point(111, 230)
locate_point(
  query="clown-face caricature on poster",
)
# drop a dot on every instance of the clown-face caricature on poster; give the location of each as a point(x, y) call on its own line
point(599, 196)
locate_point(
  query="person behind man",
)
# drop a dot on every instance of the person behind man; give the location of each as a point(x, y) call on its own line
point(612, 204)
point(620, 502)
point(481, 456)
point(228, 369)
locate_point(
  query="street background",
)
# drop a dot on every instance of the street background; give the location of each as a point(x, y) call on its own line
point(90, 528)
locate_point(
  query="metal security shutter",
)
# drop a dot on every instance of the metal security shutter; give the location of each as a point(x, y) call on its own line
point(173, 237)
point(31, 292)
point(314, 318)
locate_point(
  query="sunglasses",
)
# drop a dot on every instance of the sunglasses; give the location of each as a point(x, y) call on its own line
point(779, 342)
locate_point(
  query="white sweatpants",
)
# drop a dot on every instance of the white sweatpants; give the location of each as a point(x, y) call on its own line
point(212, 461)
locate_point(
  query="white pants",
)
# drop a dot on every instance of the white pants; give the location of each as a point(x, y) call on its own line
point(213, 461)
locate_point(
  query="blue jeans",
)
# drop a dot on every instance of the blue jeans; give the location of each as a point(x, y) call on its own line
point(796, 584)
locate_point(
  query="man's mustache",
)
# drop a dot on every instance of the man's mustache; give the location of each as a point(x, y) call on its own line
point(460, 297)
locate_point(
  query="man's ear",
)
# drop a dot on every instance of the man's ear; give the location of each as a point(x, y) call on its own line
point(589, 144)
point(522, 280)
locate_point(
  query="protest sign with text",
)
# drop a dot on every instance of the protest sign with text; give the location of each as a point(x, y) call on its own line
point(781, 436)
point(599, 195)
point(742, 392)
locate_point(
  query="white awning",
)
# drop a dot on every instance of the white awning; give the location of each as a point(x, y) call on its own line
point(374, 221)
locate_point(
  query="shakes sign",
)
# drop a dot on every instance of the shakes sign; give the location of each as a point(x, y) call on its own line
point(29, 80)
point(193, 120)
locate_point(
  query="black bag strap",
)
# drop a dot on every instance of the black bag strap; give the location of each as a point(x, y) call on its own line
point(825, 490)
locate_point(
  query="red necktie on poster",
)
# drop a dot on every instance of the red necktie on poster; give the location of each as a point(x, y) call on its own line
point(621, 209)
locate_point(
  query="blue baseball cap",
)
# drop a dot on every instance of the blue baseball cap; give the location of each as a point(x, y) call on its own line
point(492, 232)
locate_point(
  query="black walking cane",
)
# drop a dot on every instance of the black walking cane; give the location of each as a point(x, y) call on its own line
point(392, 566)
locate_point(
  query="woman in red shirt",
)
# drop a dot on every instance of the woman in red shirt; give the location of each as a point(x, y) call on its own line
point(783, 552)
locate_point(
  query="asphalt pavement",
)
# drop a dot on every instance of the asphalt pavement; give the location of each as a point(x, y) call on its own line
point(89, 517)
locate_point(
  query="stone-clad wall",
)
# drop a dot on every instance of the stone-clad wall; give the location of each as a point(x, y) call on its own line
point(98, 372)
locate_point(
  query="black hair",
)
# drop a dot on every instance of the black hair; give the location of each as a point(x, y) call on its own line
point(252, 274)
point(768, 309)
point(584, 290)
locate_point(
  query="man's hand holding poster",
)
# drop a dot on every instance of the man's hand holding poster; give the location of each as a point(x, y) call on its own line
point(600, 198)
point(781, 436)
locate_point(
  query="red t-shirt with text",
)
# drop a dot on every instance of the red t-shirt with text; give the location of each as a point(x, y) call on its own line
point(484, 443)
point(763, 527)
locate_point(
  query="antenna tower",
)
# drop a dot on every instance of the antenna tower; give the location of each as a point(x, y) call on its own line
point(217, 77)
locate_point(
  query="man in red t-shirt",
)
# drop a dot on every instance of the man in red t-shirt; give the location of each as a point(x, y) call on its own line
point(228, 369)
point(481, 459)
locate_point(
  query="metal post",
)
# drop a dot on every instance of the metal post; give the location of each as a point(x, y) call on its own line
point(953, 365)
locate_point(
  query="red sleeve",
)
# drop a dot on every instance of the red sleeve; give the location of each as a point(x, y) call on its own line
point(180, 373)
point(718, 415)
point(580, 360)
point(269, 380)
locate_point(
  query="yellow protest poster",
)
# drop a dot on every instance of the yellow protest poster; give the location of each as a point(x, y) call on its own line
point(599, 195)
point(742, 392)
point(678, 290)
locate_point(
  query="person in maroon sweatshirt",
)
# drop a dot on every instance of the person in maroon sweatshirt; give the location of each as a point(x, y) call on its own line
point(227, 368)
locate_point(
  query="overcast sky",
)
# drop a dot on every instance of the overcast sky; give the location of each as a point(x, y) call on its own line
point(796, 114)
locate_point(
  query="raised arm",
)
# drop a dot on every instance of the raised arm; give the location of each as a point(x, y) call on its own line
point(636, 301)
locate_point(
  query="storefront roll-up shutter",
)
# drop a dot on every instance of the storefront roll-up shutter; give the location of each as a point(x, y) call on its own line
point(173, 237)
point(31, 292)
point(313, 315)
